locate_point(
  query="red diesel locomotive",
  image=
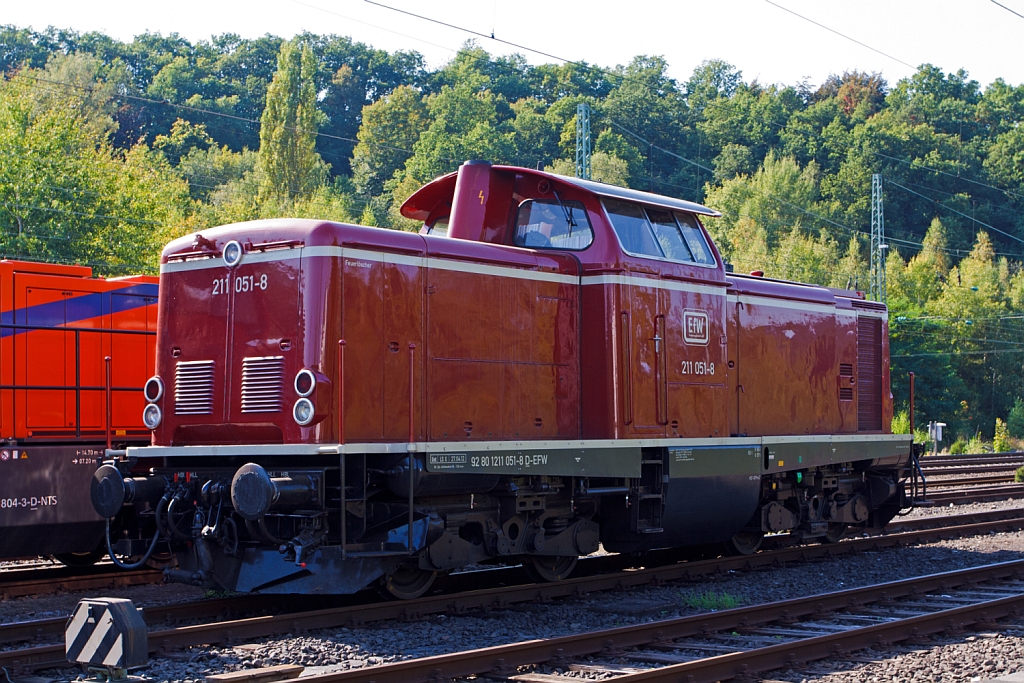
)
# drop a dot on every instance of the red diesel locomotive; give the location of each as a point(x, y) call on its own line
point(552, 363)
point(57, 326)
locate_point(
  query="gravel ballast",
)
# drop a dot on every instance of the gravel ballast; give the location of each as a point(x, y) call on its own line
point(340, 649)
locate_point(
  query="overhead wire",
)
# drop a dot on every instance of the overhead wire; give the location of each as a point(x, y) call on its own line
point(1008, 9)
point(917, 164)
point(680, 157)
point(951, 209)
point(611, 121)
point(841, 35)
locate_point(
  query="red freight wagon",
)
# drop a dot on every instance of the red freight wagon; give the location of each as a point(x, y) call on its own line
point(57, 325)
point(551, 363)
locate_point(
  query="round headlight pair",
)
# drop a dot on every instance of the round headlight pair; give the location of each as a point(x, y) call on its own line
point(151, 416)
point(153, 390)
point(303, 412)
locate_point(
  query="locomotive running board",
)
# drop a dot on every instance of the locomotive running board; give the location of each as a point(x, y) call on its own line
point(839, 441)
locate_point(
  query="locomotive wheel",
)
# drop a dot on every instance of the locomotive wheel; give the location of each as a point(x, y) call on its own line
point(745, 542)
point(161, 560)
point(549, 567)
point(835, 533)
point(78, 560)
point(407, 583)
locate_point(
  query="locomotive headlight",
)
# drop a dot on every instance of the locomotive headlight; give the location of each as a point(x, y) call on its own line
point(303, 412)
point(305, 382)
point(151, 416)
point(154, 389)
point(232, 254)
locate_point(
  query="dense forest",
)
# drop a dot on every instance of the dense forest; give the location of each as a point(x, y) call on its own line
point(108, 149)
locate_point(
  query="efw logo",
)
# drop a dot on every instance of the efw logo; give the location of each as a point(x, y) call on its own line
point(695, 327)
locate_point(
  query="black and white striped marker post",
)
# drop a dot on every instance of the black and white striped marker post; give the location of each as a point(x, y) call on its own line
point(107, 634)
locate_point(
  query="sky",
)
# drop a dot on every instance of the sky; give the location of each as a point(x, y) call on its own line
point(764, 39)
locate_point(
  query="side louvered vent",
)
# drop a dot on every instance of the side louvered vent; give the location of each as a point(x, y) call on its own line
point(262, 382)
point(846, 381)
point(869, 374)
point(193, 387)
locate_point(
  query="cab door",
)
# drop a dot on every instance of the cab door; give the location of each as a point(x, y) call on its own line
point(643, 329)
point(696, 363)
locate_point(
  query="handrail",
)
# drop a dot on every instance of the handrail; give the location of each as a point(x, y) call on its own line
point(60, 328)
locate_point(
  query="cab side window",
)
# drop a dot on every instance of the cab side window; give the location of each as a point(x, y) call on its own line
point(670, 239)
point(439, 228)
point(695, 239)
point(552, 225)
point(658, 233)
point(630, 224)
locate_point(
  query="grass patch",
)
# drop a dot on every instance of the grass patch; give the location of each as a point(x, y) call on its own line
point(1018, 476)
point(710, 601)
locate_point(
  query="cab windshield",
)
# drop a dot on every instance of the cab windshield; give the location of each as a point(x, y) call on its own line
point(552, 225)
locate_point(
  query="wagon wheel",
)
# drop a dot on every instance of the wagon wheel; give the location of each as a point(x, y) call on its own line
point(406, 583)
point(746, 542)
point(549, 567)
point(84, 559)
point(834, 533)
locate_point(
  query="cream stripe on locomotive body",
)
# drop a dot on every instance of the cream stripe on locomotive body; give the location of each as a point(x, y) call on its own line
point(569, 365)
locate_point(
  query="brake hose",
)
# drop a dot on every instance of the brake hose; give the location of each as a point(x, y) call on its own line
point(134, 565)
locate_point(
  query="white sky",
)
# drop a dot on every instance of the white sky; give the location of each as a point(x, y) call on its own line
point(762, 40)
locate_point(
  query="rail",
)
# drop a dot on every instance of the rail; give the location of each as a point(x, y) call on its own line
point(77, 387)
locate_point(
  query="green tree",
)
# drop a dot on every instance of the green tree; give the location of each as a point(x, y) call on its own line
point(390, 128)
point(288, 166)
point(67, 195)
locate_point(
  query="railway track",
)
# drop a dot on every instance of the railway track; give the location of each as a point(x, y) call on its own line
point(740, 642)
point(974, 457)
point(349, 616)
point(980, 494)
point(21, 582)
point(248, 605)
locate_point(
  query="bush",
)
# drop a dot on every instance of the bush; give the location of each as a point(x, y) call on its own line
point(1015, 420)
point(1001, 440)
point(901, 425)
point(958, 447)
point(1018, 476)
point(976, 444)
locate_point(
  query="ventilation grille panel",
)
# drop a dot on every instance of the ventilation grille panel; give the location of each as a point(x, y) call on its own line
point(846, 369)
point(262, 384)
point(845, 393)
point(193, 387)
point(869, 374)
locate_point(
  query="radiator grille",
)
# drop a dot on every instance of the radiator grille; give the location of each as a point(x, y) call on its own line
point(869, 374)
point(193, 387)
point(262, 382)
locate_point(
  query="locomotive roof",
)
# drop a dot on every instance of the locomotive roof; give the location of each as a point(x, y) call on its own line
point(419, 205)
point(606, 190)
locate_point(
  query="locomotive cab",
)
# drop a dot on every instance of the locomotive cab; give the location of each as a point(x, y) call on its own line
point(552, 363)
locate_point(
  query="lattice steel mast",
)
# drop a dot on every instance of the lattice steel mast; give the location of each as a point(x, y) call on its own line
point(583, 141)
point(878, 245)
